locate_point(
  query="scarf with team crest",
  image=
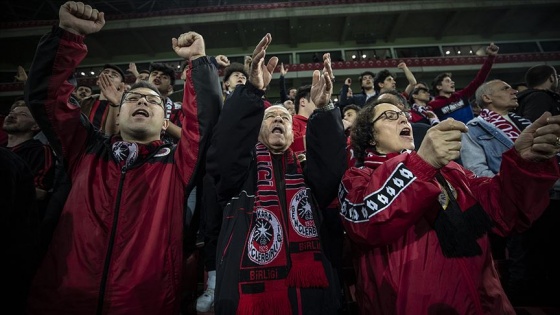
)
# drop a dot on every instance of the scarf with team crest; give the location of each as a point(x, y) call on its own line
point(282, 249)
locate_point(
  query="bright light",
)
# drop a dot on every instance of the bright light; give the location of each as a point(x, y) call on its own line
point(353, 56)
point(458, 52)
point(92, 73)
point(82, 73)
point(470, 51)
point(336, 99)
point(364, 56)
point(447, 52)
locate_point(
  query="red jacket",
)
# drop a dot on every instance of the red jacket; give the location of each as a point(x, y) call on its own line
point(388, 210)
point(117, 248)
point(299, 127)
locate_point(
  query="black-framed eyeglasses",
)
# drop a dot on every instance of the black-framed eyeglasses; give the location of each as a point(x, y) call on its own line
point(132, 97)
point(390, 115)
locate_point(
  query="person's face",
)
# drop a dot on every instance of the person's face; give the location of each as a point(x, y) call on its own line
point(367, 81)
point(141, 117)
point(19, 120)
point(162, 81)
point(114, 76)
point(234, 79)
point(350, 115)
point(422, 95)
point(290, 107)
point(276, 129)
point(82, 92)
point(389, 84)
point(502, 96)
point(143, 76)
point(447, 86)
point(292, 93)
point(391, 136)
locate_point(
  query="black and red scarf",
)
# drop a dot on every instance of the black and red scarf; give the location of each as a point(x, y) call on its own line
point(282, 249)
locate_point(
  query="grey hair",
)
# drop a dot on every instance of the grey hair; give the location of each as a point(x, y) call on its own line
point(484, 89)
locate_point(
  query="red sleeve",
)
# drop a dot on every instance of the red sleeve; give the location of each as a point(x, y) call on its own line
point(439, 102)
point(378, 206)
point(518, 194)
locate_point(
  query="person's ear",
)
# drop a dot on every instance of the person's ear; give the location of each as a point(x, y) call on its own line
point(165, 124)
point(486, 98)
point(35, 127)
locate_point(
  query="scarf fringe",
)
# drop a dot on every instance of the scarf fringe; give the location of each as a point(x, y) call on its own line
point(307, 275)
point(267, 303)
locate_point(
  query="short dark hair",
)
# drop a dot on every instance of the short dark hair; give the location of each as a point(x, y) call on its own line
point(116, 68)
point(166, 69)
point(234, 67)
point(365, 73)
point(537, 75)
point(437, 81)
point(416, 91)
point(380, 77)
point(349, 107)
point(361, 133)
point(304, 91)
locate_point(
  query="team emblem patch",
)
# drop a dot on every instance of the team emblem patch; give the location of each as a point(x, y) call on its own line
point(163, 152)
point(301, 215)
point(266, 238)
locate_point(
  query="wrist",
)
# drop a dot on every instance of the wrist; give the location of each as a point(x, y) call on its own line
point(326, 108)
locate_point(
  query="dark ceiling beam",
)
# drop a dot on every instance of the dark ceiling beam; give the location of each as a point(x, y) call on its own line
point(97, 50)
point(241, 34)
point(146, 47)
point(489, 28)
point(450, 20)
point(293, 27)
point(117, 9)
point(544, 21)
point(399, 21)
point(345, 30)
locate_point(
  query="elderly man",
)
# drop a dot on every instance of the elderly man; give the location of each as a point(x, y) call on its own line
point(270, 255)
point(117, 248)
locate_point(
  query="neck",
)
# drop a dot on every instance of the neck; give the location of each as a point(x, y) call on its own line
point(419, 102)
point(500, 111)
point(369, 90)
point(147, 140)
point(15, 139)
point(445, 94)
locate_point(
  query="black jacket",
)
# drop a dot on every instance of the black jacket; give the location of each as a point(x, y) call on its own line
point(231, 162)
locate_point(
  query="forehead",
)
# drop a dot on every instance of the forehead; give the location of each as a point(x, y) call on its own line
point(350, 111)
point(143, 90)
point(367, 76)
point(156, 72)
point(276, 109)
point(380, 108)
point(237, 73)
point(18, 103)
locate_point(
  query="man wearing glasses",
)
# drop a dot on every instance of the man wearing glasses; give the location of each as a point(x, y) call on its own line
point(117, 248)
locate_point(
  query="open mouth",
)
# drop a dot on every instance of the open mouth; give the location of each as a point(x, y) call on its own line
point(278, 130)
point(405, 132)
point(140, 111)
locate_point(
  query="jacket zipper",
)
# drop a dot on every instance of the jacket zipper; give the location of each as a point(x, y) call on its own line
point(107, 264)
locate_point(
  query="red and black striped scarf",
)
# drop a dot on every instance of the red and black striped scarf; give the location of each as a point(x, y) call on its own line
point(282, 248)
point(512, 130)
